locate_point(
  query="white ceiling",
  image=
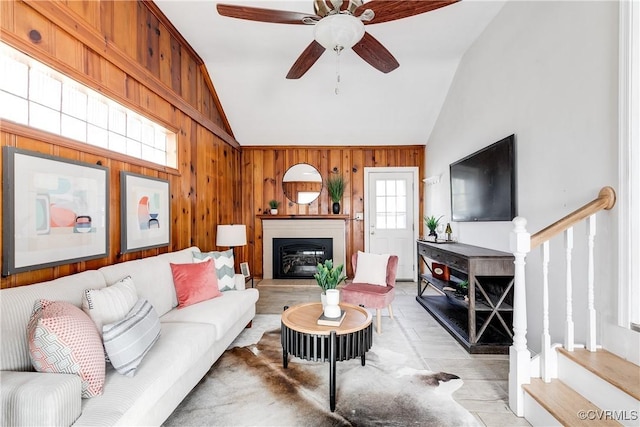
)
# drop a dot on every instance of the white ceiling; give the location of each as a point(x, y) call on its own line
point(248, 62)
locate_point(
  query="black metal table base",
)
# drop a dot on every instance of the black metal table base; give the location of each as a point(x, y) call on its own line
point(332, 348)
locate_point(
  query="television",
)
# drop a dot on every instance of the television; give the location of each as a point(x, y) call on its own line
point(483, 184)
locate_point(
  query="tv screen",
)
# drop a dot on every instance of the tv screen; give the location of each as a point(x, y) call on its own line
point(483, 184)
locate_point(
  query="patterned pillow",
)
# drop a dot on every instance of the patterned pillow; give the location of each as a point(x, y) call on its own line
point(224, 267)
point(128, 340)
point(63, 339)
point(110, 304)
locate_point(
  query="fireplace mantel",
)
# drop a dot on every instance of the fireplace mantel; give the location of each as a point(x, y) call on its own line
point(293, 216)
point(301, 226)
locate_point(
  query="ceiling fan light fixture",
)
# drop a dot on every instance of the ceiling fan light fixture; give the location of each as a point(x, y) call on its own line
point(340, 30)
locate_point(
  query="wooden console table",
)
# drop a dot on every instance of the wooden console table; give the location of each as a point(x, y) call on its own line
point(481, 322)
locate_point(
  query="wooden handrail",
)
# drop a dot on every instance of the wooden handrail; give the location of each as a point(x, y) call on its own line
point(606, 200)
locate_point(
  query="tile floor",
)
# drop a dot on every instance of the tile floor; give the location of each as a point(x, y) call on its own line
point(484, 392)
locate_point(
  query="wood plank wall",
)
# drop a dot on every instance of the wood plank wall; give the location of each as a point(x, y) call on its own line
point(263, 168)
point(128, 51)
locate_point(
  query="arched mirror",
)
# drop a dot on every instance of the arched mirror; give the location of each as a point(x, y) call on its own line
point(302, 183)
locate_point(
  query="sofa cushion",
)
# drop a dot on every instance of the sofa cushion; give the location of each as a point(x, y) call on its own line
point(39, 399)
point(195, 282)
point(152, 277)
point(225, 268)
point(221, 312)
point(16, 305)
point(63, 339)
point(128, 340)
point(178, 351)
point(109, 304)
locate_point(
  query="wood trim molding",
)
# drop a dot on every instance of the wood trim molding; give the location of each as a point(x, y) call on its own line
point(303, 217)
point(606, 200)
point(69, 21)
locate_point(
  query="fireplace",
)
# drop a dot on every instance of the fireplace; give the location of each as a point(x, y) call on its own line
point(296, 258)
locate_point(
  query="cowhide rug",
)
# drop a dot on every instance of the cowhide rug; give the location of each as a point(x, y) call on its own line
point(248, 386)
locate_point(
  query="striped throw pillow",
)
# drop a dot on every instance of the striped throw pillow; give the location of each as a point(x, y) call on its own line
point(224, 263)
point(128, 340)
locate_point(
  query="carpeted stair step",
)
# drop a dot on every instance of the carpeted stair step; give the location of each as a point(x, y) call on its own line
point(618, 372)
point(564, 403)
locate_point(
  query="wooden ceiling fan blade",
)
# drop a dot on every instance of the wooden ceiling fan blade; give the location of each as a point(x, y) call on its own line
point(373, 52)
point(308, 57)
point(386, 11)
point(264, 15)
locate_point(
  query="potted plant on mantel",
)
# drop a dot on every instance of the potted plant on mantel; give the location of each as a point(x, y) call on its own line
point(335, 187)
point(273, 206)
point(328, 277)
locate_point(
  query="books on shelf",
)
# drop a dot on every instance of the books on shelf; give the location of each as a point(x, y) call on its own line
point(331, 321)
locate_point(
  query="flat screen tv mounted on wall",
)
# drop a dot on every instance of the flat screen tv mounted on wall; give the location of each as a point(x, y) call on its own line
point(483, 184)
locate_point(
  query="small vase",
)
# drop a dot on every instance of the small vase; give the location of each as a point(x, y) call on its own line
point(335, 208)
point(332, 309)
point(274, 211)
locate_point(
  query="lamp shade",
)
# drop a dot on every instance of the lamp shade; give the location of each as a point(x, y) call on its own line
point(231, 235)
point(340, 30)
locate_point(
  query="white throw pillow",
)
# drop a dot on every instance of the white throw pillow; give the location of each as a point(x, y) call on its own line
point(110, 304)
point(372, 269)
point(128, 340)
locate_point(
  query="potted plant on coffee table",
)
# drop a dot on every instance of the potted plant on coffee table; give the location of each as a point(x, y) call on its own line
point(329, 276)
point(335, 187)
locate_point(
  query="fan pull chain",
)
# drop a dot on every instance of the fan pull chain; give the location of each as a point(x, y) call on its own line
point(338, 49)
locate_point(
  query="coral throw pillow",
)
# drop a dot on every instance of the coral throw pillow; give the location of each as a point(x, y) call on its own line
point(195, 282)
point(63, 339)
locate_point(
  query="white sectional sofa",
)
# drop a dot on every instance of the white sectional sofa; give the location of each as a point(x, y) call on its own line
point(191, 340)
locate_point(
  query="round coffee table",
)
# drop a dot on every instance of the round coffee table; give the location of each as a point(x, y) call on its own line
point(302, 337)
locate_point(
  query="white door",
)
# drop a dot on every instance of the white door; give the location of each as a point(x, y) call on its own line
point(391, 209)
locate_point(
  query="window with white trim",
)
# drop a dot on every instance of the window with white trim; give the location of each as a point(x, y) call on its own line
point(35, 95)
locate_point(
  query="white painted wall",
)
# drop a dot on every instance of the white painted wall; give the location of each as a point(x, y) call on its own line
point(548, 72)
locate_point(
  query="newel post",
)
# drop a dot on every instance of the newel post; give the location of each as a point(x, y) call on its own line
point(519, 355)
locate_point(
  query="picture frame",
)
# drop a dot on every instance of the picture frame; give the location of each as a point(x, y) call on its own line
point(145, 212)
point(54, 211)
point(244, 269)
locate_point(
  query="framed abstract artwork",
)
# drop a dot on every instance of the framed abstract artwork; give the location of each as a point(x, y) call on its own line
point(54, 211)
point(144, 212)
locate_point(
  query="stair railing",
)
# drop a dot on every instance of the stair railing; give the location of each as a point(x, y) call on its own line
point(521, 244)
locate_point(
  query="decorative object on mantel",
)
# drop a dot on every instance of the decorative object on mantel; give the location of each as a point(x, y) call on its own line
point(335, 187)
point(329, 277)
point(432, 223)
point(273, 206)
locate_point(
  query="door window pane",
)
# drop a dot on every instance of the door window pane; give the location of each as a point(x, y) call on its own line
point(391, 204)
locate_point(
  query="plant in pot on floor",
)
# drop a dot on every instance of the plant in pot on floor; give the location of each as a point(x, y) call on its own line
point(273, 206)
point(432, 223)
point(328, 276)
point(335, 187)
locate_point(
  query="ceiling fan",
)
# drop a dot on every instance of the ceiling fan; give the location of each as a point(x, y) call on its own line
point(339, 25)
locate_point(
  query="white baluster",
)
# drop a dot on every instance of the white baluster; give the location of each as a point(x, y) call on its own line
point(569, 328)
point(546, 338)
point(591, 332)
point(519, 355)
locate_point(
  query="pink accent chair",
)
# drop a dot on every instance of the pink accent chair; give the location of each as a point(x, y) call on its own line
point(372, 296)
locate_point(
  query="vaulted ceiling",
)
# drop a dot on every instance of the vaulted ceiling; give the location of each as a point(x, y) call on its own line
point(248, 62)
